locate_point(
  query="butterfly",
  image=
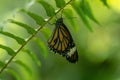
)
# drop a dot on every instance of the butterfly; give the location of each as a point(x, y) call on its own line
point(61, 42)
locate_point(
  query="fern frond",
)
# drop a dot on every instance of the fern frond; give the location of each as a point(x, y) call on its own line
point(76, 6)
point(29, 29)
point(39, 20)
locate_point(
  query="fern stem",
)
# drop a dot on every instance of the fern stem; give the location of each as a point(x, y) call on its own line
point(32, 36)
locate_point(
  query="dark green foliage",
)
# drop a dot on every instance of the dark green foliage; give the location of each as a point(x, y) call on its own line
point(26, 67)
point(50, 11)
point(105, 3)
point(29, 29)
point(8, 49)
point(76, 6)
point(60, 3)
point(18, 39)
point(1, 64)
point(33, 56)
point(85, 6)
point(13, 73)
point(38, 19)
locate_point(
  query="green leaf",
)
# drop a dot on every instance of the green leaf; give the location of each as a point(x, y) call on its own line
point(48, 8)
point(1, 64)
point(33, 57)
point(8, 49)
point(38, 19)
point(77, 8)
point(27, 68)
point(29, 29)
point(69, 14)
point(87, 10)
point(105, 3)
point(18, 39)
point(46, 32)
point(42, 46)
point(60, 3)
point(13, 73)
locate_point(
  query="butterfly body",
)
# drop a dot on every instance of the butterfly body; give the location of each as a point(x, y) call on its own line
point(61, 42)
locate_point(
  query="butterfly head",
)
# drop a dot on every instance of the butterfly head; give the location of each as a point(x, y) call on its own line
point(59, 21)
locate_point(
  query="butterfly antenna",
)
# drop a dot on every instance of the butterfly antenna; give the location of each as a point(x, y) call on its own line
point(62, 13)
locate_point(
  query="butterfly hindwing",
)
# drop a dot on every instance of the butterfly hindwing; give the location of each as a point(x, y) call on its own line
point(61, 42)
point(72, 56)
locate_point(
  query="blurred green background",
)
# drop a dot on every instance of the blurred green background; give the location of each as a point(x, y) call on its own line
point(99, 51)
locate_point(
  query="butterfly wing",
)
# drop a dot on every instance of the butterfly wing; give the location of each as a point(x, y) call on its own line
point(72, 56)
point(61, 40)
